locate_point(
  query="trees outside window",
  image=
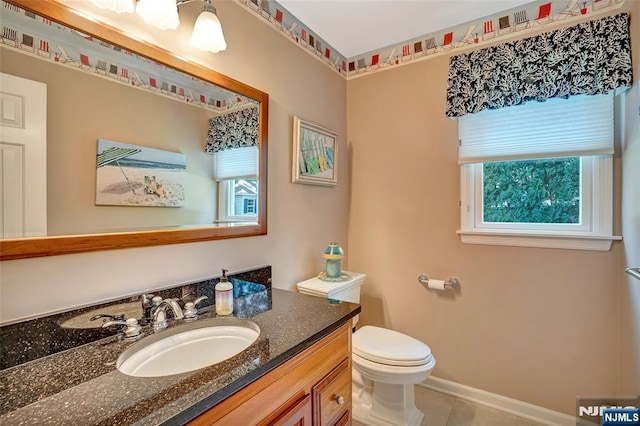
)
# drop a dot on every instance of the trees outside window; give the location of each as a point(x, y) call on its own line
point(533, 191)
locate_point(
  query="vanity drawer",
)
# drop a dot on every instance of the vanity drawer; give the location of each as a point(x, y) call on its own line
point(332, 396)
point(345, 420)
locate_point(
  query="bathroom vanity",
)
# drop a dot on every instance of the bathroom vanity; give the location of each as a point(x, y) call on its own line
point(314, 387)
point(298, 371)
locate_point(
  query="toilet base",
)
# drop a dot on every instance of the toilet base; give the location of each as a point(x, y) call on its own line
point(384, 404)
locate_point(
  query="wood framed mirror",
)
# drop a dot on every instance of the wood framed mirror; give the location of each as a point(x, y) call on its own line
point(68, 242)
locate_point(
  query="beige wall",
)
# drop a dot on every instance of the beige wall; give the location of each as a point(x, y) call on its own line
point(537, 325)
point(629, 361)
point(302, 219)
point(83, 107)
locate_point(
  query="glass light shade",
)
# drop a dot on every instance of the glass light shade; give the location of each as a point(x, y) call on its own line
point(118, 6)
point(162, 14)
point(207, 33)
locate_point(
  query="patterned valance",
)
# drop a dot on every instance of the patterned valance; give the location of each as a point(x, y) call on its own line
point(233, 130)
point(589, 58)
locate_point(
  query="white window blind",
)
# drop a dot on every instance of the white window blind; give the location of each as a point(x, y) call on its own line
point(236, 163)
point(578, 126)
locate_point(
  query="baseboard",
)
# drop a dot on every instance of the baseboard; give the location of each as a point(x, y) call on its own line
point(513, 406)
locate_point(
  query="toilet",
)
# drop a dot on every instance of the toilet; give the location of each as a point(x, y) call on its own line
point(386, 363)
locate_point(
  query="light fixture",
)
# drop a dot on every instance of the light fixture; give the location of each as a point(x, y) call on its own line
point(207, 31)
point(162, 14)
point(118, 6)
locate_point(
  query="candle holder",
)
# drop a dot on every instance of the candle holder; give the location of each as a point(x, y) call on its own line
point(334, 255)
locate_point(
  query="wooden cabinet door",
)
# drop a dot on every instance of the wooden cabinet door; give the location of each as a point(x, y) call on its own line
point(332, 395)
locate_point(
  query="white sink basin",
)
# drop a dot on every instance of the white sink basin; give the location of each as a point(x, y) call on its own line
point(188, 347)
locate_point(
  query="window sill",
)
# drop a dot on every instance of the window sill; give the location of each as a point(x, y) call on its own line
point(540, 240)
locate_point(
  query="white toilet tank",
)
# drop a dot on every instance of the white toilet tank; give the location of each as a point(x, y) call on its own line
point(348, 290)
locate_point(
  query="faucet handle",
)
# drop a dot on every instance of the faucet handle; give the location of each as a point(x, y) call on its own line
point(147, 306)
point(117, 317)
point(199, 299)
point(146, 298)
point(187, 296)
point(132, 329)
point(190, 311)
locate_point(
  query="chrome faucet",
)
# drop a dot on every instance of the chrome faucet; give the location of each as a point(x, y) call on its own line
point(132, 330)
point(159, 312)
point(117, 317)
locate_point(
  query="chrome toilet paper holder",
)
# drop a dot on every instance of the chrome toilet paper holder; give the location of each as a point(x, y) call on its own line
point(451, 283)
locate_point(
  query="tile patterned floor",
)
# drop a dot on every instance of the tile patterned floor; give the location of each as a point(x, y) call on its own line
point(445, 410)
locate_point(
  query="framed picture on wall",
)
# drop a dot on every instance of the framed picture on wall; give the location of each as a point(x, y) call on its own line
point(132, 175)
point(315, 154)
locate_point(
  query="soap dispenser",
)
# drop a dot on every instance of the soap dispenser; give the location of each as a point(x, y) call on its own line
point(224, 295)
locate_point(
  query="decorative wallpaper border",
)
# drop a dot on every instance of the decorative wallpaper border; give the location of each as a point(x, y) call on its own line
point(39, 37)
point(292, 28)
point(519, 21)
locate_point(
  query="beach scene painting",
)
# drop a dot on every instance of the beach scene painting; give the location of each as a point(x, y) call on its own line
point(132, 175)
point(314, 153)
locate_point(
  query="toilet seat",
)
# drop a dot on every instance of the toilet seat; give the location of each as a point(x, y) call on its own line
point(388, 347)
point(392, 374)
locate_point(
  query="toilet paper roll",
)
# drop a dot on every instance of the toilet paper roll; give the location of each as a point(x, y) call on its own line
point(436, 284)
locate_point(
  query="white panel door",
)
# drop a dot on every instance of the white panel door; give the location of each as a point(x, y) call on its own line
point(11, 190)
point(23, 157)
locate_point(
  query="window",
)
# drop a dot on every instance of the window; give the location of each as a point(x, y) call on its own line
point(545, 191)
point(539, 175)
point(238, 200)
point(249, 206)
point(236, 171)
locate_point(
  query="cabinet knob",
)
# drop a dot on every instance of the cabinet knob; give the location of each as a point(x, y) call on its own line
point(340, 399)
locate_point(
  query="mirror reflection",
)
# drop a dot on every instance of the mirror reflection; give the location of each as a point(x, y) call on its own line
point(130, 144)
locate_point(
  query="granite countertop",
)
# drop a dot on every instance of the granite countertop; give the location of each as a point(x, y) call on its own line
point(83, 386)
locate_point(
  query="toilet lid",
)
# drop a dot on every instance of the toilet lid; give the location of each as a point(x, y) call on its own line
point(389, 347)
